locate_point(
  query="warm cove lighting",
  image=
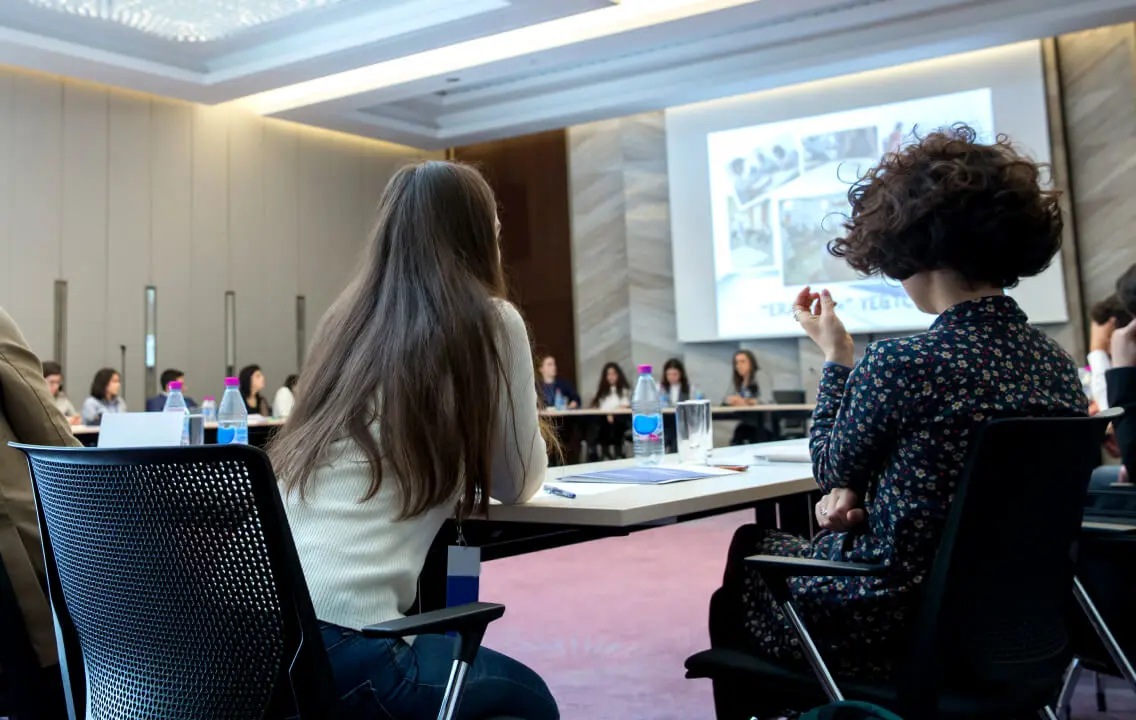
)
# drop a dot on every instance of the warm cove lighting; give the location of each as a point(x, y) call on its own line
point(625, 17)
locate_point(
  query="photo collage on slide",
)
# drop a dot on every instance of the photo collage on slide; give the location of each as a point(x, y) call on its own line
point(780, 195)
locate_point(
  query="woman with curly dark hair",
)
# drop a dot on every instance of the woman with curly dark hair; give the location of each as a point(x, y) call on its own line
point(956, 222)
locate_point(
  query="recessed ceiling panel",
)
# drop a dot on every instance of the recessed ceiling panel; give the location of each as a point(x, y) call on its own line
point(187, 20)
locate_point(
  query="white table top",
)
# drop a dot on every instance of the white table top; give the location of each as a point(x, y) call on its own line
point(628, 505)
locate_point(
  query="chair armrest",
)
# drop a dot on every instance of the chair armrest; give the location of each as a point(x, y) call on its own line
point(462, 617)
point(1108, 526)
point(795, 567)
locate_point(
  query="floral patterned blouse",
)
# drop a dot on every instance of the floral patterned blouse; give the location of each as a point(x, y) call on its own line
point(895, 429)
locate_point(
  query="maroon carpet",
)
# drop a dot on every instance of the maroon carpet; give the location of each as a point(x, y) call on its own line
point(609, 623)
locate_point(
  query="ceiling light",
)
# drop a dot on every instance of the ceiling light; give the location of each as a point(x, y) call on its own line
point(186, 20)
point(450, 60)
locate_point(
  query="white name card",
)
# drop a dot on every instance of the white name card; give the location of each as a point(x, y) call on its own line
point(140, 429)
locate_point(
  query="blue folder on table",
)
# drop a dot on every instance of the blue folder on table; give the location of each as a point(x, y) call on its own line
point(639, 476)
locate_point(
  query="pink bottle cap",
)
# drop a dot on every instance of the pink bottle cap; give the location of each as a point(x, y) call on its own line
point(176, 385)
point(232, 382)
point(644, 369)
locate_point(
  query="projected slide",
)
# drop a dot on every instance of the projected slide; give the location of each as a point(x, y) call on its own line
point(779, 194)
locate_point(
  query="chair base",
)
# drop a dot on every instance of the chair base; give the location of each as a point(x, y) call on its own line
point(746, 685)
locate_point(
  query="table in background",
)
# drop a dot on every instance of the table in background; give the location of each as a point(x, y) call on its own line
point(572, 424)
point(259, 433)
point(778, 492)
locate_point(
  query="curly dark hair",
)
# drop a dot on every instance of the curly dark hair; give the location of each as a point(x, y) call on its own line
point(948, 202)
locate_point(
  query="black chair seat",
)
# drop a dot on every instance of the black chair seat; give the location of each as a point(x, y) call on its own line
point(799, 688)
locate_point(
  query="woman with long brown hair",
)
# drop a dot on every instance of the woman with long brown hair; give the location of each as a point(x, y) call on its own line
point(419, 401)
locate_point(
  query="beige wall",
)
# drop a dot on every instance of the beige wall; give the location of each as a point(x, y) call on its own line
point(624, 287)
point(113, 191)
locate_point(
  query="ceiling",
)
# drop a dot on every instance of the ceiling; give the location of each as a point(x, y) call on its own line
point(439, 73)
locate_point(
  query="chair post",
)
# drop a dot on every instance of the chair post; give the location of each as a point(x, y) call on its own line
point(1068, 685)
point(1105, 635)
point(451, 698)
point(812, 654)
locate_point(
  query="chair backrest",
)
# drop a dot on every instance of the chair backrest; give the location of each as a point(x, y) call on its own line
point(996, 608)
point(176, 586)
point(789, 397)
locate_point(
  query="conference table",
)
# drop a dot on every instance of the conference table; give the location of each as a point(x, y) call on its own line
point(259, 432)
point(780, 492)
point(572, 424)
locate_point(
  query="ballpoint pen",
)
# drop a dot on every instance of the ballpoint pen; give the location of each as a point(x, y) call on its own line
point(559, 492)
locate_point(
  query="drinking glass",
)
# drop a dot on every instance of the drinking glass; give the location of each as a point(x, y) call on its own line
point(692, 428)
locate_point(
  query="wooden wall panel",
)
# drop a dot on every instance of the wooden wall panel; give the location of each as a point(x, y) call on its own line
point(282, 244)
point(128, 239)
point(35, 192)
point(84, 219)
point(530, 177)
point(113, 191)
point(209, 252)
point(171, 207)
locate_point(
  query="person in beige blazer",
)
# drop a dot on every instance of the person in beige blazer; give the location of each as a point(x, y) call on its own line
point(27, 415)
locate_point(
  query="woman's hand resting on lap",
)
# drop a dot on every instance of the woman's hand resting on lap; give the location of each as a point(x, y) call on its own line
point(816, 312)
point(840, 511)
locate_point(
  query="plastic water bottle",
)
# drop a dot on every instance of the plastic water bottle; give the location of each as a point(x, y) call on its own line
point(175, 403)
point(559, 401)
point(232, 415)
point(647, 419)
point(209, 408)
point(696, 393)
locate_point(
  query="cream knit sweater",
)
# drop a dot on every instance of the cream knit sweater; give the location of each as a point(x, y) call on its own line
point(362, 565)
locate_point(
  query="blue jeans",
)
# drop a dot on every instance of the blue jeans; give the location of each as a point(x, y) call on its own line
point(1104, 476)
point(389, 679)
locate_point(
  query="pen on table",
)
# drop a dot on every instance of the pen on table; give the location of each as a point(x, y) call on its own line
point(559, 492)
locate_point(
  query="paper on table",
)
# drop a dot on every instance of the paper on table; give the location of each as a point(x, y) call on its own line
point(644, 475)
point(785, 454)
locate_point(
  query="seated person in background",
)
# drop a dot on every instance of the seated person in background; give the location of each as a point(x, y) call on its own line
point(27, 415)
point(744, 393)
point(675, 385)
point(158, 402)
point(605, 438)
point(955, 222)
point(53, 374)
point(550, 385)
point(252, 382)
point(1108, 316)
point(104, 397)
point(285, 397)
point(1122, 393)
point(1105, 317)
point(419, 401)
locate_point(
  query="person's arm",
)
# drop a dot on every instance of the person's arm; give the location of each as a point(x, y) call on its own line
point(570, 394)
point(90, 413)
point(1099, 365)
point(856, 416)
point(283, 402)
point(27, 402)
point(520, 457)
point(1122, 393)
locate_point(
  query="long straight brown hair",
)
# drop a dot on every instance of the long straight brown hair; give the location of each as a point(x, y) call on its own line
point(411, 344)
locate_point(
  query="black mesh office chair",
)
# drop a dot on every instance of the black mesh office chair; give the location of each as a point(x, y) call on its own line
point(990, 636)
point(178, 593)
point(1105, 587)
